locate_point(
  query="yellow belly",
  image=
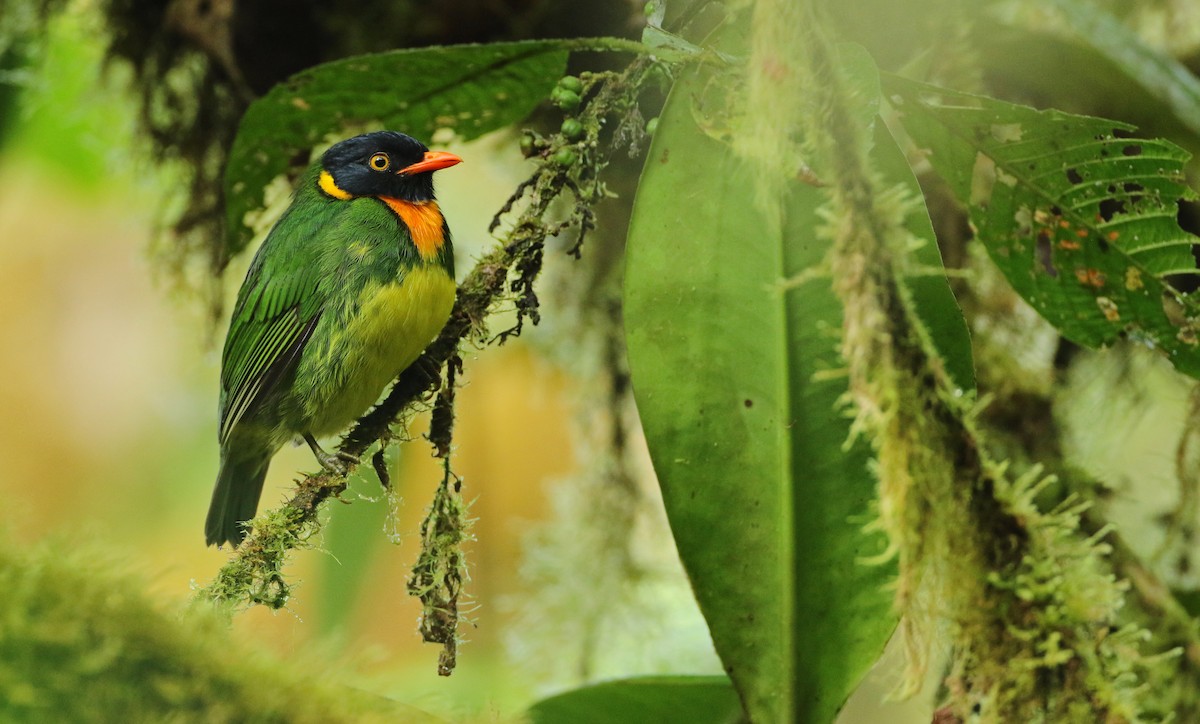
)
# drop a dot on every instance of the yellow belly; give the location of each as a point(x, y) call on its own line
point(394, 325)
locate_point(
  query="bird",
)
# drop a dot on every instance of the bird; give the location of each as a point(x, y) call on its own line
point(352, 283)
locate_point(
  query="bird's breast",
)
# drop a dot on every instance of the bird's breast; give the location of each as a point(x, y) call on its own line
point(395, 322)
point(399, 319)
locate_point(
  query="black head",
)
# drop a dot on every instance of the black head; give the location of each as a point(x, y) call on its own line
point(385, 163)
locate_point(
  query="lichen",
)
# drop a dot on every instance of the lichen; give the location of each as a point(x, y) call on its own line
point(1031, 602)
point(440, 573)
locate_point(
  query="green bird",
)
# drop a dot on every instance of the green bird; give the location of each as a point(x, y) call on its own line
point(351, 285)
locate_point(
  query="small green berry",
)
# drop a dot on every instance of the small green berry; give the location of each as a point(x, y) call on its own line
point(527, 145)
point(571, 83)
point(572, 129)
point(565, 157)
point(565, 99)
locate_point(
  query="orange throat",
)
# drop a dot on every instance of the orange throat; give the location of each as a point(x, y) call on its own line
point(425, 224)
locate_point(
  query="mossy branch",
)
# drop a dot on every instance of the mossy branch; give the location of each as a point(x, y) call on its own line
point(568, 164)
point(1031, 599)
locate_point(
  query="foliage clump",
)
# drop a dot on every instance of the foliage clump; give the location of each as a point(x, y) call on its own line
point(80, 642)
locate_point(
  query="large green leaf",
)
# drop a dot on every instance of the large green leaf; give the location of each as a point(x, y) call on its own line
point(926, 281)
point(1078, 216)
point(766, 500)
point(648, 700)
point(933, 301)
point(1096, 57)
point(469, 89)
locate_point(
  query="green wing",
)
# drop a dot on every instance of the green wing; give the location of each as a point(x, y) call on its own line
point(276, 312)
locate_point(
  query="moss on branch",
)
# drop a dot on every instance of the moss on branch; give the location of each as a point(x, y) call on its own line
point(1031, 599)
point(80, 642)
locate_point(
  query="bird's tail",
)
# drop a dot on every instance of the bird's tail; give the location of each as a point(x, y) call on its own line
point(235, 497)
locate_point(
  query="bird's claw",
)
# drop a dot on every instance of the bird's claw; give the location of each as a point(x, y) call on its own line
point(336, 463)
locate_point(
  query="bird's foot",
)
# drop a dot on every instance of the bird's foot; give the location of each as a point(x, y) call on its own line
point(336, 463)
point(339, 463)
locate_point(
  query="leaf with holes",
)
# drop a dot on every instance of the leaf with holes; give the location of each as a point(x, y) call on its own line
point(468, 89)
point(1078, 216)
point(1099, 61)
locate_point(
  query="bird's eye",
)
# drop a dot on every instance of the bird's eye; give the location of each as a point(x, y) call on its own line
point(380, 162)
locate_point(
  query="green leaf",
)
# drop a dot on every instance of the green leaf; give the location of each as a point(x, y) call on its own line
point(933, 300)
point(926, 279)
point(1079, 217)
point(1098, 35)
point(469, 89)
point(1189, 599)
point(766, 498)
point(692, 699)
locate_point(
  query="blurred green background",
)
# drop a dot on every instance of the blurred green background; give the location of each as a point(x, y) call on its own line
point(110, 381)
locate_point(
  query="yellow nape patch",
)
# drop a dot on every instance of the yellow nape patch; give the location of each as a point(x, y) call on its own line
point(424, 222)
point(330, 187)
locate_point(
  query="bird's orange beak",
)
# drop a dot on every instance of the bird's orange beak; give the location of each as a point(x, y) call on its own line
point(433, 161)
